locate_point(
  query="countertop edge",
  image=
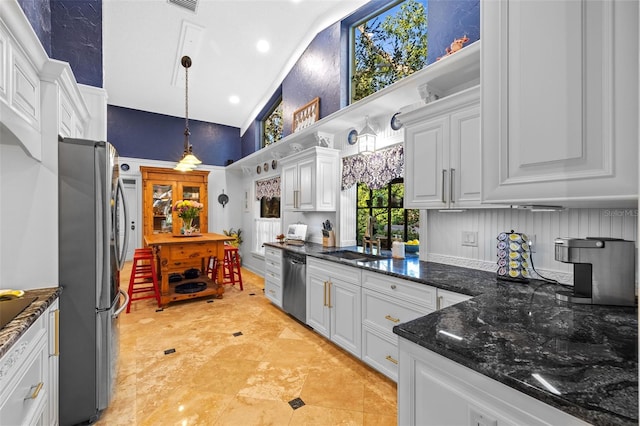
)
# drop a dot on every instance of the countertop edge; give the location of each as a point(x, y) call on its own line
point(11, 332)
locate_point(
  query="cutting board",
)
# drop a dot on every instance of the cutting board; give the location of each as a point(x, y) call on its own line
point(9, 309)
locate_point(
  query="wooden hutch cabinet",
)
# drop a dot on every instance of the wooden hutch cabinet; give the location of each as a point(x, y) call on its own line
point(162, 188)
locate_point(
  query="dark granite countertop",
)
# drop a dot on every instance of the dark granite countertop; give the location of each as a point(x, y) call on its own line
point(11, 332)
point(510, 331)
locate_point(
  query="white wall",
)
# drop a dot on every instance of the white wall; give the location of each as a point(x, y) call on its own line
point(442, 240)
point(218, 217)
point(28, 215)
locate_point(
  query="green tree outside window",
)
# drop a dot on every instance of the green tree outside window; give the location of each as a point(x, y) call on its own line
point(388, 46)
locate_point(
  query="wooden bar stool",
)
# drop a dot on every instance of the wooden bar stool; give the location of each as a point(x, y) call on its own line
point(231, 266)
point(144, 279)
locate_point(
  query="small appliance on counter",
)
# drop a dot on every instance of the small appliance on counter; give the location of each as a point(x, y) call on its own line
point(603, 270)
point(296, 234)
point(513, 256)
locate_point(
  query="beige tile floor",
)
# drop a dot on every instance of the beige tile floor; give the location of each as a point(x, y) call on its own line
point(216, 378)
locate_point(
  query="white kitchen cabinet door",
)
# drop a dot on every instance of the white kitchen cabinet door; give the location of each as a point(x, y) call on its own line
point(448, 298)
point(346, 321)
point(464, 164)
point(425, 160)
point(273, 275)
point(560, 102)
point(318, 313)
point(442, 151)
point(289, 186)
point(306, 184)
point(310, 180)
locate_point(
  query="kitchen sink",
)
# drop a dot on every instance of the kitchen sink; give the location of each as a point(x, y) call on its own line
point(354, 255)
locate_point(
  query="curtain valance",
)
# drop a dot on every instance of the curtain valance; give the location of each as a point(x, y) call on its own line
point(376, 170)
point(268, 188)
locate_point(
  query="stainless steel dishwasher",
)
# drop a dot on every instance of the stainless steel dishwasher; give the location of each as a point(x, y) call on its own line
point(294, 287)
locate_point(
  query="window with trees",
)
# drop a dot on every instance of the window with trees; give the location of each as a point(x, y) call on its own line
point(272, 125)
point(384, 206)
point(387, 46)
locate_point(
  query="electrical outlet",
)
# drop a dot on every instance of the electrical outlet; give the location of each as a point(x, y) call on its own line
point(470, 238)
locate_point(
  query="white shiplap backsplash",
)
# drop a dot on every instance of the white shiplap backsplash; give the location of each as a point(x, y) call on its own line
point(443, 235)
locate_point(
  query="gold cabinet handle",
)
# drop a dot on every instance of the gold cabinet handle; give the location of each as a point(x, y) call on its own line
point(439, 304)
point(324, 293)
point(329, 294)
point(391, 359)
point(56, 342)
point(36, 391)
point(392, 319)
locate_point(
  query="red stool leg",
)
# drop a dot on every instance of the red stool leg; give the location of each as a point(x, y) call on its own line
point(144, 278)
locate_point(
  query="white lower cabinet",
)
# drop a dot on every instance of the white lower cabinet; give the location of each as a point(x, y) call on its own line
point(386, 302)
point(433, 390)
point(273, 275)
point(334, 303)
point(28, 387)
point(448, 298)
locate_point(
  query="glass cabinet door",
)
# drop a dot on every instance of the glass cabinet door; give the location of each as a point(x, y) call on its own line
point(162, 208)
point(192, 193)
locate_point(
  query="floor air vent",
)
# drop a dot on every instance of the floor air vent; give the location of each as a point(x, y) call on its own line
point(187, 4)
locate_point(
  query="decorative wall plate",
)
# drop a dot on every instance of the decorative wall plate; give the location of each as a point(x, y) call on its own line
point(395, 122)
point(353, 137)
point(274, 163)
point(258, 169)
point(265, 166)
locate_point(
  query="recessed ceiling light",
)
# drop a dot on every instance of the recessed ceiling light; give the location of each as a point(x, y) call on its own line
point(234, 99)
point(262, 46)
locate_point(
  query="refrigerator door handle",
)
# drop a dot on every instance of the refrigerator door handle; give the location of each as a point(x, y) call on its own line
point(124, 305)
point(121, 252)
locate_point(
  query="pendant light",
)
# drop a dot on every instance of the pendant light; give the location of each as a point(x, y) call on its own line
point(188, 161)
point(366, 139)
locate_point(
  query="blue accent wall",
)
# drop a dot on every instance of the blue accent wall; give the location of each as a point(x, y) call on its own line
point(76, 38)
point(141, 134)
point(448, 20)
point(38, 13)
point(315, 74)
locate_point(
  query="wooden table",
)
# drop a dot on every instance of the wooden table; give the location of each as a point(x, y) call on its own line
point(175, 254)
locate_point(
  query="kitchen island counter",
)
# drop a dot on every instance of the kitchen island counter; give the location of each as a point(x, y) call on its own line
point(509, 331)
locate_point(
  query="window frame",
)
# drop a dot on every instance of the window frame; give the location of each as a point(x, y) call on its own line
point(276, 102)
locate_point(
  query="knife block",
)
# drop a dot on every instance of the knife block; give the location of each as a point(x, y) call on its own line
point(329, 241)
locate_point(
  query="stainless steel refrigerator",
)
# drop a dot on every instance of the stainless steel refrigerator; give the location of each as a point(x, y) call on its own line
point(92, 248)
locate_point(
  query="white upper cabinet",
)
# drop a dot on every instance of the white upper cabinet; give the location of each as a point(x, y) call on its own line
point(442, 148)
point(560, 102)
point(310, 180)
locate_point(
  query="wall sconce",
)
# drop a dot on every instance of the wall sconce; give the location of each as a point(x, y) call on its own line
point(366, 139)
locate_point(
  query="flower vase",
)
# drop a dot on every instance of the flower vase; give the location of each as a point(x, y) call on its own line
point(187, 229)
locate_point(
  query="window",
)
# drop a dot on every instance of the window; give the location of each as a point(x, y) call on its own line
point(391, 220)
point(272, 125)
point(387, 46)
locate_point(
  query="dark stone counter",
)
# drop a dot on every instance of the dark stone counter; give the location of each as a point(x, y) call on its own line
point(11, 332)
point(510, 331)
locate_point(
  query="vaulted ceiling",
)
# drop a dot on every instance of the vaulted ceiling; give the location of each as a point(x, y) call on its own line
point(145, 39)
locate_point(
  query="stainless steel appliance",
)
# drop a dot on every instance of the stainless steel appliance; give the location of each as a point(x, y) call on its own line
point(92, 249)
point(603, 270)
point(294, 287)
